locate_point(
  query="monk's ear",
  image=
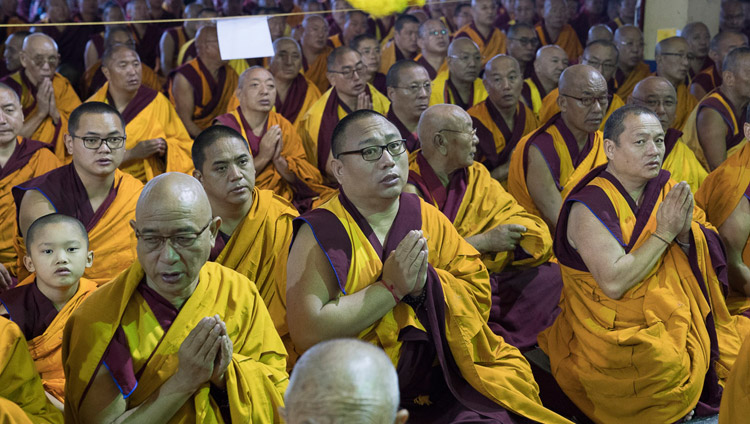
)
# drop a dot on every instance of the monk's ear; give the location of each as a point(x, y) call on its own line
point(132, 224)
point(90, 259)
point(337, 168)
point(28, 263)
point(105, 71)
point(330, 78)
point(197, 175)
point(728, 78)
point(401, 416)
point(215, 225)
point(562, 103)
point(389, 93)
point(609, 148)
point(440, 143)
point(746, 129)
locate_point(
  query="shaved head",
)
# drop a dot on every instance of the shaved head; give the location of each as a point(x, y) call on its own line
point(670, 43)
point(600, 32)
point(37, 40)
point(37, 227)
point(434, 119)
point(447, 138)
point(253, 72)
point(658, 95)
point(283, 42)
point(206, 34)
point(461, 44)
point(575, 75)
point(550, 61)
point(170, 192)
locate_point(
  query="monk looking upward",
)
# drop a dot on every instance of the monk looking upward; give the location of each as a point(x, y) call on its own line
point(630, 65)
point(294, 92)
point(482, 31)
point(404, 43)
point(550, 62)
point(315, 50)
point(673, 62)
point(698, 38)
point(460, 85)
point(554, 29)
point(433, 42)
point(522, 46)
point(710, 78)
point(409, 90)
point(179, 338)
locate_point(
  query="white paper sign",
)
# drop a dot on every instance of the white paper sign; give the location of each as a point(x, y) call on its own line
point(244, 38)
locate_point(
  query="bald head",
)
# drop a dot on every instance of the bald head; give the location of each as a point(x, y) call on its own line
point(171, 192)
point(550, 61)
point(464, 60)
point(666, 44)
point(460, 45)
point(37, 41)
point(659, 96)
point(435, 119)
point(722, 44)
point(600, 32)
point(693, 28)
point(285, 43)
point(576, 75)
point(207, 34)
point(207, 44)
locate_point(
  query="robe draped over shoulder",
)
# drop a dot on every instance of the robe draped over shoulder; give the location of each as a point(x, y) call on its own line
point(681, 162)
point(735, 401)
point(211, 96)
point(443, 91)
point(626, 83)
point(489, 47)
point(567, 40)
point(316, 71)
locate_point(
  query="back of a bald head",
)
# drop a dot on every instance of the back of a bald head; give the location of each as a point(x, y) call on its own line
point(172, 192)
point(574, 76)
point(651, 84)
point(668, 43)
point(434, 119)
point(461, 43)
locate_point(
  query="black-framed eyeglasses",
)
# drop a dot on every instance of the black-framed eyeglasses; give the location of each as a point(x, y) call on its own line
point(414, 88)
point(183, 240)
point(531, 42)
point(688, 56)
point(94, 143)
point(589, 100)
point(471, 133)
point(349, 73)
point(374, 153)
point(654, 103)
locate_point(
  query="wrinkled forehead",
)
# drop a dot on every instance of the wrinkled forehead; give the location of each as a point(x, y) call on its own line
point(433, 25)
point(601, 51)
point(286, 46)
point(369, 130)
point(503, 66)
point(464, 46)
point(8, 97)
point(350, 58)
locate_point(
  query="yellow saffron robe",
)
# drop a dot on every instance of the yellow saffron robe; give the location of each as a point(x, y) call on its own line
point(316, 71)
point(255, 379)
point(210, 102)
point(550, 107)
point(443, 92)
point(389, 55)
point(567, 40)
point(489, 47)
point(626, 83)
point(735, 401)
point(686, 103)
point(681, 162)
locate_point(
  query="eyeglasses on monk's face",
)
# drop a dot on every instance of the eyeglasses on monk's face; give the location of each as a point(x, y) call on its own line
point(416, 87)
point(374, 153)
point(348, 73)
point(588, 101)
point(183, 240)
point(94, 143)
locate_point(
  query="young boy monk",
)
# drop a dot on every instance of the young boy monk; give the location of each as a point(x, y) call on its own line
point(57, 251)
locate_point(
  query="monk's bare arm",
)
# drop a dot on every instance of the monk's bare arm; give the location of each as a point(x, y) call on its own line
point(167, 56)
point(543, 189)
point(697, 91)
point(91, 56)
point(500, 173)
point(33, 206)
point(184, 104)
point(735, 232)
point(712, 133)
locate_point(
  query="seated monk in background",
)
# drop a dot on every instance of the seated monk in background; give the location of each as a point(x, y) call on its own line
point(698, 36)
point(47, 97)
point(550, 62)
point(482, 31)
point(21, 159)
point(549, 162)
point(173, 38)
point(644, 334)
point(430, 275)
point(157, 142)
point(349, 93)
point(202, 88)
point(315, 50)
point(179, 339)
point(709, 78)
point(460, 85)
point(433, 41)
point(659, 96)
point(22, 396)
point(404, 43)
point(515, 245)
point(630, 65)
point(672, 63)
point(409, 89)
point(554, 29)
point(600, 32)
point(522, 46)
point(279, 160)
point(58, 252)
point(90, 188)
point(369, 47)
point(734, 405)
point(295, 94)
point(502, 119)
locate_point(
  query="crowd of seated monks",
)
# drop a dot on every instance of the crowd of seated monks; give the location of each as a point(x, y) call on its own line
point(468, 212)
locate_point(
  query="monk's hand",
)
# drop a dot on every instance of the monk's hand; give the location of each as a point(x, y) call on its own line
point(146, 149)
point(5, 279)
point(223, 357)
point(673, 211)
point(43, 93)
point(53, 112)
point(364, 101)
point(270, 140)
point(402, 267)
point(197, 354)
point(503, 238)
point(684, 235)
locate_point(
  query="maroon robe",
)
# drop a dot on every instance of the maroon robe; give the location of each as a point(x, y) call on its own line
point(379, 82)
point(708, 80)
point(486, 149)
point(457, 100)
point(526, 91)
point(726, 114)
point(21, 156)
point(432, 72)
point(295, 99)
point(29, 308)
point(412, 138)
point(148, 45)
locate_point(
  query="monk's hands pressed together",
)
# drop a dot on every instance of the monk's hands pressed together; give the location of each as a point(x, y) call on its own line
point(146, 149)
point(364, 101)
point(197, 354)
point(45, 97)
point(223, 356)
point(281, 164)
point(675, 213)
point(503, 238)
point(267, 147)
point(406, 267)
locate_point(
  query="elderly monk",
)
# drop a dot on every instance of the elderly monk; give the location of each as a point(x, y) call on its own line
point(22, 396)
point(698, 38)
point(12, 52)
point(180, 339)
point(433, 41)
point(630, 65)
point(710, 77)
point(659, 96)
point(672, 62)
point(600, 32)
point(460, 84)
point(174, 38)
point(157, 142)
point(315, 50)
point(554, 29)
point(432, 277)
point(549, 162)
point(202, 88)
point(58, 253)
point(369, 47)
point(71, 40)
point(502, 119)
point(404, 43)
point(625, 14)
point(349, 93)
point(355, 25)
point(482, 31)
point(344, 380)
point(523, 12)
point(514, 244)
point(90, 188)
point(522, 45)
point(295, 94)
point(279, 160)
point(146, 35)
point(550, 62)
point(734, 399)
point(47, 97)
point(409, 90)
point(21, 159)
point(644, 334)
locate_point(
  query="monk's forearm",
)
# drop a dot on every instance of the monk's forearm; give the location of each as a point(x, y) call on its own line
point(160, 406)
point(501, 172)
point(192, 128)
point(31, 124)
point(478, 242)
point(632, 268)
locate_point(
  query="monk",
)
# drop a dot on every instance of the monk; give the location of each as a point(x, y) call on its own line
point(295, 94)
point(409, 90)
point(174, 38)
point(344, 380)
point(625, 14)
point(461, 16)
point(709, 78)
point(157, 142)
point(644, 334)
point(673, 62)
point(146, 35)
point(181, 340)
point(188, 50)
point(369, 47)
point(734, 400)
point(731, 16)
point(550, 161)
point(630, 65)
point(279, 160)
point(698, 37)
point(404, 44)
point(12, 52)
point(550, 62)
point(600, 32)
point(502, 119)
point(433, 42)
point(460, 84)
point(57, 251)
point(354, 25)
point(482, 31)
point(524, 12)
point(554, 29)
point(21, 159)
point(71, 41)
point(315, 50)
point(347, 297)
point(522, 45)
point(111, 12)
point(659, 96)
point(202, 88)
point(592, 12)
point(348, 93)
point(22, 398)
point(90, 188)
point(47, 97)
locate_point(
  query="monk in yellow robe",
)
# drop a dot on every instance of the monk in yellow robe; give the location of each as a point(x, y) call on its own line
point(157, 142)
point(47, 98)
point(409, 90)
point(523, 43)
point(709, 78)
point(172, 39)
point(90, 188)
point(42, 307)
point(390, 269)
point(188, 341)
point(404, 44)
point(202, 88)
point(295, 94)
point(554, 29)
point(21, 159)
point(315, 50)
point(433, 42)
point(549, 162)
point(22, 398)
point(630, 65)
point(549, 63)
point(460, 85)
point(349, 93)
point(698, 37)
point(673, 65)
point(735, 400)
point(644, 334)
point(502, 119)
point(482, 31)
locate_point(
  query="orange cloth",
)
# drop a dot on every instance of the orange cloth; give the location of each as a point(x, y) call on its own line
point(567, 40)
point(683, 165)
point(626, 83)
point(686, 102)
point(443, 91)
point(93, 78)
point(316, 71)
point(550, 107)
point(488, 47)
point(206, 106)
point(389, 55)
point(735, 401)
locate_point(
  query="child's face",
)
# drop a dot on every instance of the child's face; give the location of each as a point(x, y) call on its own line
point(59, 255)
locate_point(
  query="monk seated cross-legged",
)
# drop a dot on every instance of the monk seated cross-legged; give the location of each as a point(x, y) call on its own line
point(460, 84)
point(409, 89)
point(390, 269)
point(57, 251)
point(295, 94)
point(644, 333)
point(174, 338)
